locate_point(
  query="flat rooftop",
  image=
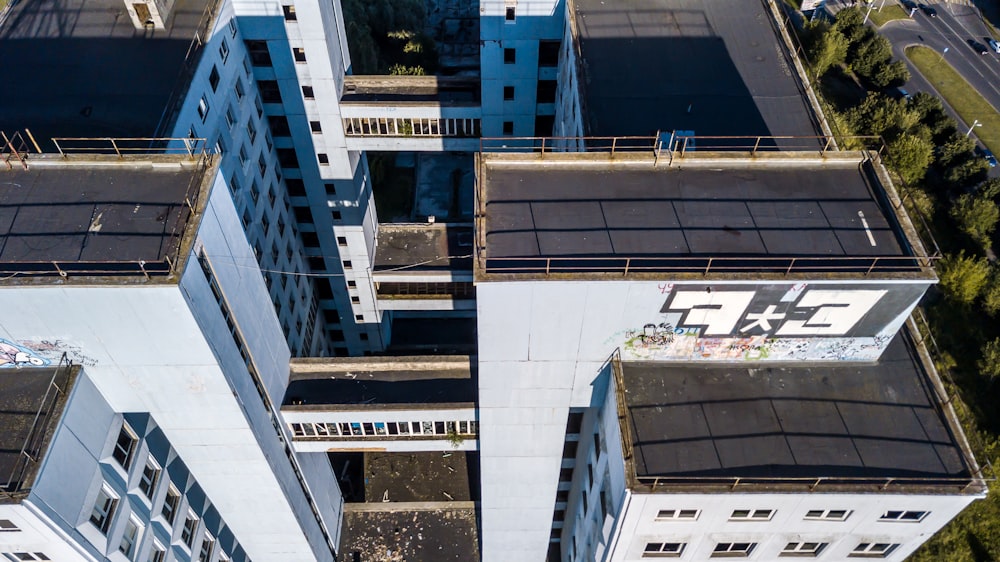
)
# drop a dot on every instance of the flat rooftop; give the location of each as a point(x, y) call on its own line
point(836, 420)
point(419, 381)
point(83, 70)
point(715, 68)
point(97, 215)
point(419, 534)
point(592, 215)
point(422, 248)
point(438, 90)
point(24, 393)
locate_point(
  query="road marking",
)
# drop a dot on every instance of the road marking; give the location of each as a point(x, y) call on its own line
point(868, 230)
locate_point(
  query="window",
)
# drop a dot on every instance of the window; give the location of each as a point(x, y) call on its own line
point(238, 89)
point(341, 240)
point(279, 125)
point(546, 91)
point(336, 215)
point(323, 158)
point(803, 549)
point(287, 158)
point(752, 515)
point(269, 91)
point(157, 553)
point(259, 55)
point(207, 546)
point(129, 538)
point(508, 93)
point(125, 446)
point(6, 525)
point(224, 50)
point(348, 264)
point(355, 300)
point(203, 108)
point(873, 550)
point(307, 92)
point(510, 13)
point(299, 53)
point(509, 56)
point(190, 526)
point(733, 549)
point(904, 516)
point(213, 78)
point(261, 165)
point(170, 504)
point(828, 515)
point(230, 117)
point(243, 155)
point(508, 127)
point(315, 127)
point(663, 550)
point(259, 107)
point(289, 13)
point(331, 189)
point(232, 27)
point(31, 556)
point(150, 476)
point(548, 53)
point(677, 514)
point(352, 284)
point(104, 509)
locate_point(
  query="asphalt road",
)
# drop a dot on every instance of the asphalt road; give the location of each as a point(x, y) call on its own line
point(953, 27)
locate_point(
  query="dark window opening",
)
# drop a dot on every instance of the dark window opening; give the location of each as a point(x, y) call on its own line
point(546, 92)
point(259, 55)
point(269, 91)
point(279, 125)
point(509, 56)
point(548, 53)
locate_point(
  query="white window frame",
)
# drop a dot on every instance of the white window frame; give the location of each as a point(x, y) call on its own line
point(133, 437)
point(224, 50)
point(107, 511)
point(8, 526)
point(203, 108)
point(129, 545)
point(192, 532)
point(733, 550)
point(870, 550)
point(150, 492)
point(172, 491)
point(157, 549)
point(203, 554)
point(804, 549)
point(827, 515)
point(663, 550)
point(752, 515)
point(678, 515)
point(903, 516)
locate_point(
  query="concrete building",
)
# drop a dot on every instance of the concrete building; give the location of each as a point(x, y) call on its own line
point(649, 265)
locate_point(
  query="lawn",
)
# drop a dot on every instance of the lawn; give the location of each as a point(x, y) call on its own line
point(969, 104)
point(888, 13)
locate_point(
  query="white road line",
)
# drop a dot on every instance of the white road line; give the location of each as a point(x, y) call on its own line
point(868, 230)
point(975, 67)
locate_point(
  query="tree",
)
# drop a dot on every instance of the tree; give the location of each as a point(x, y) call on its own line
point(890, 73)
point(827, 47)
point(910, 156)
point(963, 277)
point(977, 217)
point(991, 295)
point(879, 115)
point(958, 147)
point(869, 56)
point(849, 22)
point(989, 362)
point(965, 173)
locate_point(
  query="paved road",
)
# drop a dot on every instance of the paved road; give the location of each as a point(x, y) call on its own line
point(954, 26)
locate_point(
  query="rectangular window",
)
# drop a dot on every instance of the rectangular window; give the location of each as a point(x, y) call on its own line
point(299, 53)
point(677, 514)
point(157, 553)
point(663, 550)
point(213, 78)
point(509, 56)
point(251, 131)
point(203, 108)
point(307, 92)
point(904, 516)
point(508, 128)
point(190, 526)
point(873, 550)
point(125, 446)
point(260, 109)
point(6, 525)
point(170, 504)
point(289, 13)
point(149, 479)
point(752, 515)
point(269, 91)
point(315, 127)
point(262, 165)
point(803, 549)
point(279, 125)
point(207, 546)
point(508, 93)
point(230, 117)
point(104, 509)
point(548, 53)
point(129, 538)
point(224, 50)
point(828, 515)
point(243, 155)
point(733, 549)
point(323, 158)
point(238, 89)
point(259, 55)
point(510, 13)
point(232, 27)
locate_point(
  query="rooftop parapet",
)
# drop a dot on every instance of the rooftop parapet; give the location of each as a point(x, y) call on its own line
point(644, 206)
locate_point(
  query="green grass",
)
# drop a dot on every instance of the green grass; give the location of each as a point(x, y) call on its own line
point(888, 13)
point(969, 104)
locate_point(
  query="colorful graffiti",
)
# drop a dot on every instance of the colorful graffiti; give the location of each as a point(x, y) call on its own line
point(14, 355)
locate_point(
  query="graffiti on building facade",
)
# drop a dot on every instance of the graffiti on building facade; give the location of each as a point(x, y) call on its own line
point(15, 355)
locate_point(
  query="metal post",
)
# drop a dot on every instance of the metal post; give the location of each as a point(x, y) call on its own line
point(32, 137)
point(708, 267)
point(543, 146)
point(755, 145)
point(871, 267)
point(614, 142)
point(826, 147)
point(628, 262)
point(548, 263)
point(791, 265)
point(115, 146)
point(59, 148)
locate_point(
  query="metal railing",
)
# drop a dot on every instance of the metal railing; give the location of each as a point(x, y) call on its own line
point(811, 484)
point(706, 265)
point(674, 143)
point(34, 441)
point(125, 146)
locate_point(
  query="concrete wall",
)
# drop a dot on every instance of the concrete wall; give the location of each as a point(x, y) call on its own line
point(398, 443)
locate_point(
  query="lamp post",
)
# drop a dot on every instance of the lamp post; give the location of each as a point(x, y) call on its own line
point(975, 123)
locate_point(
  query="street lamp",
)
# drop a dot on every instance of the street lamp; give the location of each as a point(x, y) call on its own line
point(975, 123)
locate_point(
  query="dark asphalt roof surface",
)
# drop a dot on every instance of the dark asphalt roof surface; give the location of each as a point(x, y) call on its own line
point(715, 68)
point(839, 420)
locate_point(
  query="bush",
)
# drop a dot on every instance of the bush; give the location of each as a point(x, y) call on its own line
point(977, 217)
point(963, 277)
point(989, 362)
point(991, 295)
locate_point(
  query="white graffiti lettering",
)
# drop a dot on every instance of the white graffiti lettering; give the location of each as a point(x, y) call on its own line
point(763, 319)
